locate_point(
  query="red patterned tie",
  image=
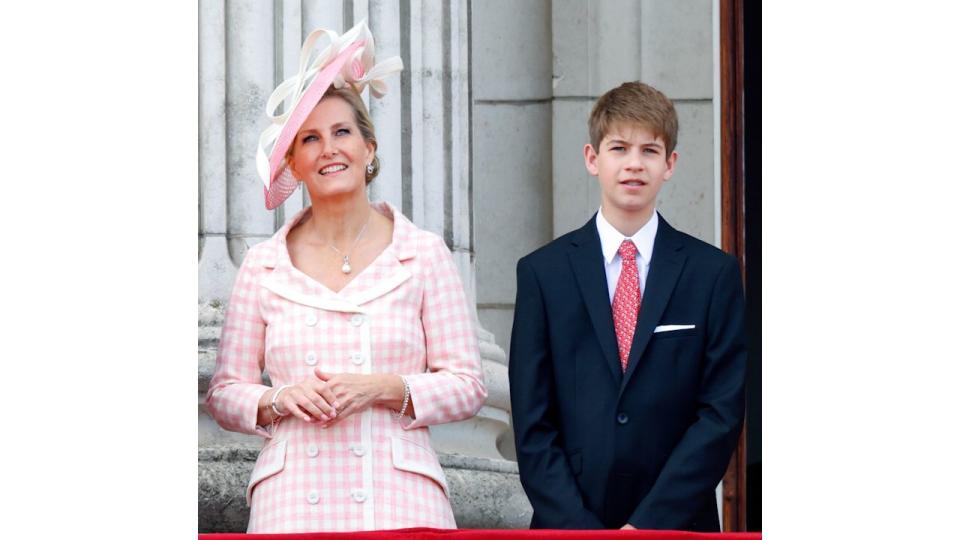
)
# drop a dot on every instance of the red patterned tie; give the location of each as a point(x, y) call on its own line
point(626, 301)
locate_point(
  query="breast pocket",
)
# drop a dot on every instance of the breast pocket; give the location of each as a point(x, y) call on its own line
point(675, 334)
point(269, 463)
point(413, 457)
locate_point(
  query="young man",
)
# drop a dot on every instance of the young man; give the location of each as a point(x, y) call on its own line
point(627, 359)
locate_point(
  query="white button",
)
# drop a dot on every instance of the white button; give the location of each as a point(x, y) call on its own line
point(356, 358)
point(356, 320)
point(359, 496)
point(357, 449)
point(311, 358)
point(313, 450)
point(311, 319)
point(313, 497)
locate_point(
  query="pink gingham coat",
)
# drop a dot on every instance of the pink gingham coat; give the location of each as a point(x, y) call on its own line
point(406, 314)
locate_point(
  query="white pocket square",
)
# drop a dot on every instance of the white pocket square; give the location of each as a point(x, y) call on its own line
point(673, 327)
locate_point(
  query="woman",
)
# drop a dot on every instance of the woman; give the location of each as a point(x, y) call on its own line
point(357, 316)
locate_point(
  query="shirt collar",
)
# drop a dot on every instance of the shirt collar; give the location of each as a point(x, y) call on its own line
point(611, 238)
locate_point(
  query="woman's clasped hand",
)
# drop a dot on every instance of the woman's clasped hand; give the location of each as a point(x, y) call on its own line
point(330, 397)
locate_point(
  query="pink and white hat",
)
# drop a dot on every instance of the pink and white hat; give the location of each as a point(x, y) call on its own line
point(348, 59)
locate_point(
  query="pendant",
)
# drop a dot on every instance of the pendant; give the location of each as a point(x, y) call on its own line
point(346, 266)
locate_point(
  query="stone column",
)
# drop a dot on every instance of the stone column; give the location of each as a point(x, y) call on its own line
point(216, 269)
point(511, 150)
point(438, 197)
point(251, 69)
point(385, 25)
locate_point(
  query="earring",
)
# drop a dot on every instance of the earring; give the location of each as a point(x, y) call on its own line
point(370, 168)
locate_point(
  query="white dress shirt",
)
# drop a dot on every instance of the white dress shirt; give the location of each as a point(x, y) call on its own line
point(610, 240)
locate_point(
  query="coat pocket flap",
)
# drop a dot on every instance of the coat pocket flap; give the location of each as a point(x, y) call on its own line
point(269, 463)
point(413, 457)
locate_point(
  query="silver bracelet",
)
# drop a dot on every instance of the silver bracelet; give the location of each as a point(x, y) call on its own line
point(406, 398)
point(273, 402)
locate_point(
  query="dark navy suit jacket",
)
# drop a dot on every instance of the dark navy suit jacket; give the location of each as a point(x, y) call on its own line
point(598, 448)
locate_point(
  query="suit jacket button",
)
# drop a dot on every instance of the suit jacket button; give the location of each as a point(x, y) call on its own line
point(622, 418)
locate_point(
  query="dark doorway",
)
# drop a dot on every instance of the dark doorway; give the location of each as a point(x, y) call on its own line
point(751, 90)
point(740, 224)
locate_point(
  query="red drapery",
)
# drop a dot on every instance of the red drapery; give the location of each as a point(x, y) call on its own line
point(478, 534)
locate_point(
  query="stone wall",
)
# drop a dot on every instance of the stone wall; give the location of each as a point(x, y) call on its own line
point(538, 67)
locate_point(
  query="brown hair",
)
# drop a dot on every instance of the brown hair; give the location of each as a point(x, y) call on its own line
point(634, 102)
point(361, 116)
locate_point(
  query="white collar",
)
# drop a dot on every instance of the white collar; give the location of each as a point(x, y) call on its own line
point(611, 238)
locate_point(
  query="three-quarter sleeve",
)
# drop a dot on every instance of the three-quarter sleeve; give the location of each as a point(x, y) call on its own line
point(452, 387)
point(236, 386)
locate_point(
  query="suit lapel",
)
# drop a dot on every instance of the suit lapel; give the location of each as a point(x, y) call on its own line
point(586, 259)
point(665, 266)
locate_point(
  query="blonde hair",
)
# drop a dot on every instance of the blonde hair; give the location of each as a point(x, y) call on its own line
point(636, 103)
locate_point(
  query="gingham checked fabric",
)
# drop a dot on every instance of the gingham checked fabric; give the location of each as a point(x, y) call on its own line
point(626, 300)
point(406, 314)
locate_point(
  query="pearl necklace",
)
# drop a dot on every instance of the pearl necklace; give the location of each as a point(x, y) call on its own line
point(346, 268)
